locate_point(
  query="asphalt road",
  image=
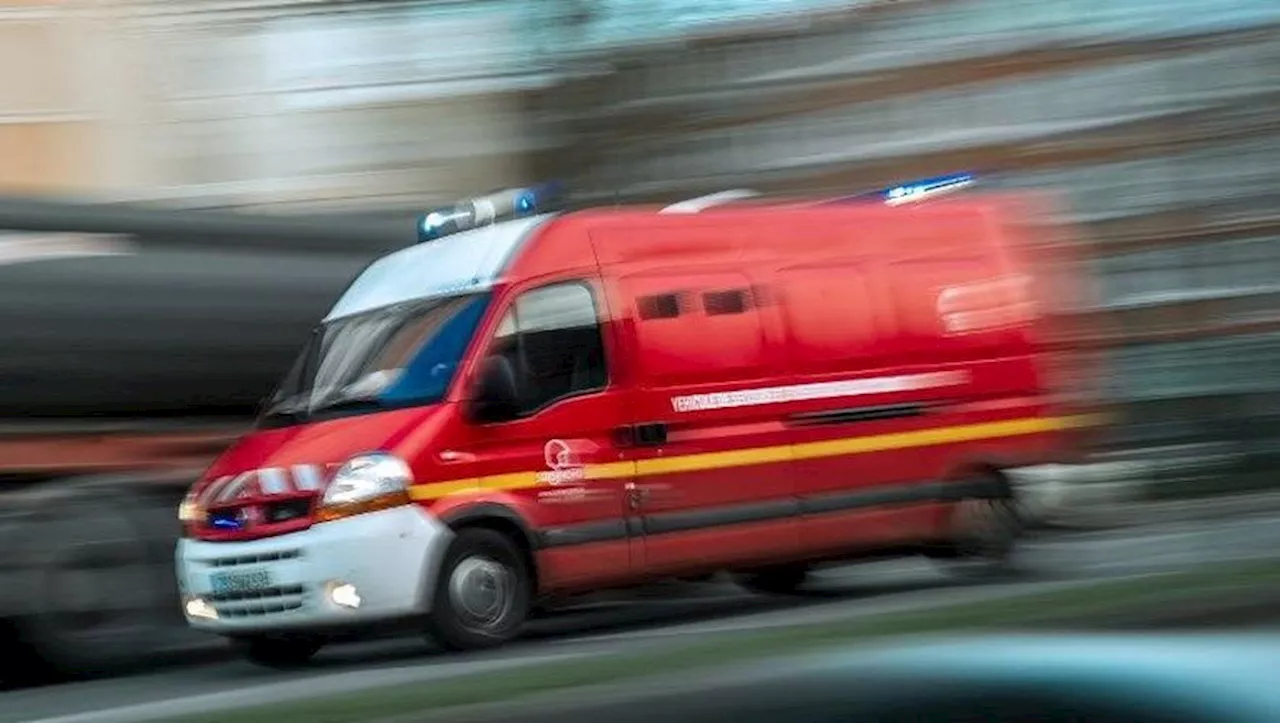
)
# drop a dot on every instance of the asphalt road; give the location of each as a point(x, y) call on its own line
point(843, 592)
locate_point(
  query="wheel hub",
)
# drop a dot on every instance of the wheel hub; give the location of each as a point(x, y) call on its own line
point(482, 592)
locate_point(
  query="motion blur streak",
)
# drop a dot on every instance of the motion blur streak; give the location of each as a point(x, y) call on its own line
point(186, 187)
point(25, 248)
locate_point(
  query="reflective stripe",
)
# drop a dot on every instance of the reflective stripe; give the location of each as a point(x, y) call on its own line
point(233, 489)
point(211, 492)
point(307, 477)
point(274, 481)
point(818, 390)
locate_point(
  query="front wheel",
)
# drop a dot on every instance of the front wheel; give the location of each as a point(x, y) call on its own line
point(282, 652)
point(482, 596)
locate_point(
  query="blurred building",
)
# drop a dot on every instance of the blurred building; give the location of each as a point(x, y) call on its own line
point(291, 104)
point(1156, 118)
point(274, 104)
point(48, 132)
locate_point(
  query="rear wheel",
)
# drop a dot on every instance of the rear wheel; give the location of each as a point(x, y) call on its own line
point(279, 652)
point(482, 596)
point(985, 532)
point(786, 580)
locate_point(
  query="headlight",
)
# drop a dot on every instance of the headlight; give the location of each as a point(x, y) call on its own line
point(367, 483)
point(190, 512)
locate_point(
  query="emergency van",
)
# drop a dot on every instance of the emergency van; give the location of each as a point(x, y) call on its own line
point(530, 404)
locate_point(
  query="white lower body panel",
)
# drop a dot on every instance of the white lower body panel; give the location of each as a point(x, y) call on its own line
point(389, 558)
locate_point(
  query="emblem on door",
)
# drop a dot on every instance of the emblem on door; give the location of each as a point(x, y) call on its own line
point(563, 464)
point(559, 455)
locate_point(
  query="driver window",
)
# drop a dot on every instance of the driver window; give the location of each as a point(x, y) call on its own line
point(552, 337)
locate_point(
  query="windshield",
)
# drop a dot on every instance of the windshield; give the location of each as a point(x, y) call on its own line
point(395, 356)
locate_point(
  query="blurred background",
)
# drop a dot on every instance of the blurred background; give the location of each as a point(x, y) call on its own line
point(1156, 119)
point(185, 187)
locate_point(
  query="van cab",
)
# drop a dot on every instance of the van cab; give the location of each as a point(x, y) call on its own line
point(560, 402)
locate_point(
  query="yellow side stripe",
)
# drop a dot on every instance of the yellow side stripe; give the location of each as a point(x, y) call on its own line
point(715, 460)
point(928, 437)
point(612, 470)
point(769, 455)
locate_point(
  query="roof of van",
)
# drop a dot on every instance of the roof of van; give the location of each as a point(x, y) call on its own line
point(468, 261)
point(478, 259)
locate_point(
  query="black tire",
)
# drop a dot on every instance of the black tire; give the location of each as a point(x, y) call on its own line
point(482, 595)
point(99, 599)
point(281, 652)
point(986, 531)
point(785, 580)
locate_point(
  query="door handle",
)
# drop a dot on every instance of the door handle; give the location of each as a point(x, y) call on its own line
point(651, 434)
point(648, 434)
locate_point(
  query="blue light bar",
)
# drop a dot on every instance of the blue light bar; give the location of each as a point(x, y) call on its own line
point(925, 188)
point(484, 210)
point(914, 190)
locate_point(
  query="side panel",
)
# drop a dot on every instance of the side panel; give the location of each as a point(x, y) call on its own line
point(718, 490)
point(907, 336)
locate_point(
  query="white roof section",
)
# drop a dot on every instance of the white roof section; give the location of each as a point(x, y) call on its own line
point(466, 261)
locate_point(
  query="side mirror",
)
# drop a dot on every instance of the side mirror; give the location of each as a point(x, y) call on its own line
point(494, 397)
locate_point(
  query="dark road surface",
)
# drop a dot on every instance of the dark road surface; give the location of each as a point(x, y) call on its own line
point(1059, 560)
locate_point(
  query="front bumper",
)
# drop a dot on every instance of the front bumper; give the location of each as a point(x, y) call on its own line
point(388, 559)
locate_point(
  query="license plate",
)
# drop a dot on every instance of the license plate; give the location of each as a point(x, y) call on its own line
point(233, 582)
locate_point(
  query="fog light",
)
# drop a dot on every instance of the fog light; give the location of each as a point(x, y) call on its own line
point(198, 608)
point(344, 595)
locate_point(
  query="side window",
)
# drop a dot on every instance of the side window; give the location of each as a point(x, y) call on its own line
point(552, 337)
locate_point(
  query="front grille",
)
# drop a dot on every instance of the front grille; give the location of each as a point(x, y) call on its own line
point(255, 559)
point(258, 608)
point(257, 517)
point(287, 511)
point(269, 601)
point(274, 600)
point(257, 595)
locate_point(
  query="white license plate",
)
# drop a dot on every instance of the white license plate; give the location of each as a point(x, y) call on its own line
point(233, 582)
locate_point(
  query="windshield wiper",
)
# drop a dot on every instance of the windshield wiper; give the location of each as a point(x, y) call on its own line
point(360, 395)
point(277, 417)
point(290, 409)
point(343, 404)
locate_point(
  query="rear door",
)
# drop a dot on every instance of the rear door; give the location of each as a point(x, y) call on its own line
point(900, 330)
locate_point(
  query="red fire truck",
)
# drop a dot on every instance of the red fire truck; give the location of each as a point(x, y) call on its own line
point(531, 404)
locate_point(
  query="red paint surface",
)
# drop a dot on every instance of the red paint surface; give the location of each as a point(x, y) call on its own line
point(835, 293)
